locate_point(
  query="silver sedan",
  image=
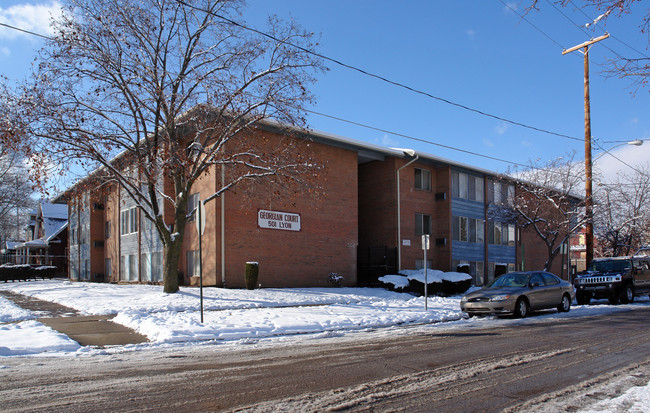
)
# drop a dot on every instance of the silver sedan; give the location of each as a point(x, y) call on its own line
point(518, 293)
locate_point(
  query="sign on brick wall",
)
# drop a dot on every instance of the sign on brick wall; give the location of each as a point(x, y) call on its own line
point(278, 220)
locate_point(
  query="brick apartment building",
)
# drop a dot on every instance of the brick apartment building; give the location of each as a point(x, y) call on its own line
point(351, 228)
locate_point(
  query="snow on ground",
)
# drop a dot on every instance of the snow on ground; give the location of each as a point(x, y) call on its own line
point(11, 312)
point(246, 317)
point(32, 337)
point(635, 400)
point(235, 314)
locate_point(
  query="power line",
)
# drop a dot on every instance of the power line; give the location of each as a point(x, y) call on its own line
point(385, 80)
point(521, 16)
point(25, 31)
point(379, 77)
point(612, 36)
point(402, 135)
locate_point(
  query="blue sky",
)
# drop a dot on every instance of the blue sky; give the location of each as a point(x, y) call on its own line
point(477, 53)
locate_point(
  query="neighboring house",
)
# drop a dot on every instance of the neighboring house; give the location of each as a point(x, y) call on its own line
point(9, 252)
point(351, 229)
point(47, 238)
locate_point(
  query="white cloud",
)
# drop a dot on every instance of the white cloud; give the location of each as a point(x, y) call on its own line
point(488, 143)
point(634, 156)
point(27, 16)
point(511, 6)
point(501, 128)
point(388, 141)
point(470, 33)
point(4, 51)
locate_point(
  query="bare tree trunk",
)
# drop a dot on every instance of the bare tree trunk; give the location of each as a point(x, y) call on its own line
point(172, 253)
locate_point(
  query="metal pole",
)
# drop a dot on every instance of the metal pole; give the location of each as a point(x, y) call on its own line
point(200, 260)
point(426, 281)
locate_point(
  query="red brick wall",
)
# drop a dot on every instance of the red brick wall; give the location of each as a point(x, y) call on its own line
point(111, 245)
point(377, 205)
point(378, 209)
point(328, 238)
point(97, 229)
point(536, 254)
point(423, 202)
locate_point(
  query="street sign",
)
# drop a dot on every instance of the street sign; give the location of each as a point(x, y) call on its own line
point(425, 247)
point(200, 218)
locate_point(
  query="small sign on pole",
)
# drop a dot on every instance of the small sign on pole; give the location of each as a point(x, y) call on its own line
point(200, 227)
point(425, 247)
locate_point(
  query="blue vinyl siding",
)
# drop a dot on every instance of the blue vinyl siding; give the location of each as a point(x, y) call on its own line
point(468, 251)
point(466, 208)
point(501, 253)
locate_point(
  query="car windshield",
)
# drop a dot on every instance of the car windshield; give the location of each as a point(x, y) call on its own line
point(511, 280)
point(610, 266)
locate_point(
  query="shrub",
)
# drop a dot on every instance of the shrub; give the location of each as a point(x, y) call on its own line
point(438, 282)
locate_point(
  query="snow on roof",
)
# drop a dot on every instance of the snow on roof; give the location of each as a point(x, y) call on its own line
point(53, 227)
point(57, 211)
point(11, 245)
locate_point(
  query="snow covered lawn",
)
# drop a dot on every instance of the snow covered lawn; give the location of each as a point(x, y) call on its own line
point(229, 314)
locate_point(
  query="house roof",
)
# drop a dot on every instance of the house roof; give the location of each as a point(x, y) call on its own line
point(366, 151)
point(57, 211)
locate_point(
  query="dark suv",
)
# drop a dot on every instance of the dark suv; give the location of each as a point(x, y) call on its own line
point(618, 279)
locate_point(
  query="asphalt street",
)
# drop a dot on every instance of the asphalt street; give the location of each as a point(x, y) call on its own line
point(505, 367)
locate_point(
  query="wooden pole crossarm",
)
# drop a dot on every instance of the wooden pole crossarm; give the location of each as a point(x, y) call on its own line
point(585, 44)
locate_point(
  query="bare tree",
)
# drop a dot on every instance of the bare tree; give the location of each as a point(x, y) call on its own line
point(545, 202)
point(622, 213)
point(15, 195)
point(635, 68)
point(148, 90)
point(16, 190)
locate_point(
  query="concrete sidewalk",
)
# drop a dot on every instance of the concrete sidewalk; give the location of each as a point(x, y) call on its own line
point(96, 331)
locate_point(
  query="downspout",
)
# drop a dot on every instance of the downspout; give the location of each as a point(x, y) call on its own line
point(409, 152)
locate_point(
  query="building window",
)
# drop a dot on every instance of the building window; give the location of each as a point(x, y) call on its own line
point(129, 221)
point(422, 179)
point(465, 186)
point(480, 231)
point(497, 233)
point(511, 234)
point(107, 229)
point(468, 229)
point(129, 267)
point(478, 189)
point(192, 202)
point(422, 224)
point(156, 267)
point(419, 264)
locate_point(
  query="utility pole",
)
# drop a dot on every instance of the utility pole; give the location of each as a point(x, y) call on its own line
point(589, 201)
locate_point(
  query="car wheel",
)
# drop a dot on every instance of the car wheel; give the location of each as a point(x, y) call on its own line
point(583, 299)
point(565, 304)
point(521, 308)
point(627, 294)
